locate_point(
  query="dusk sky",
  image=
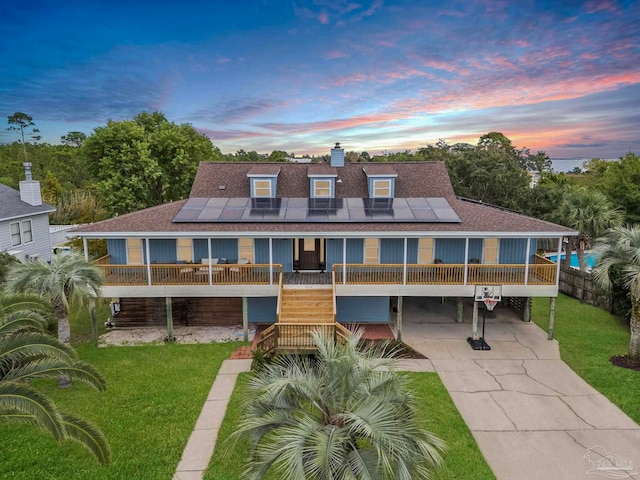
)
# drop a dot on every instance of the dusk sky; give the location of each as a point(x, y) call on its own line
point(559, 76)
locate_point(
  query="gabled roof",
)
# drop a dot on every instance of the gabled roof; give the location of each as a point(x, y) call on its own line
point(11, 206)
point(416, 179)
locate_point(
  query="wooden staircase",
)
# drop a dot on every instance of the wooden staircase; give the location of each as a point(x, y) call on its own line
point(300, 312)
point(306, 305)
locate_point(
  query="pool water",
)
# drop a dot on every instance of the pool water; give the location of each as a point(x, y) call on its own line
point(591, 262)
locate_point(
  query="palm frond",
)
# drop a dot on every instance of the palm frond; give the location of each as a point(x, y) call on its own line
point(87, 435)
point(16, 397)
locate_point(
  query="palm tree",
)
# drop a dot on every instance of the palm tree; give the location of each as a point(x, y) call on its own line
point(27, 352)
point(66, 279)
point(621, 248)
point(589, 212)
point(343, 415)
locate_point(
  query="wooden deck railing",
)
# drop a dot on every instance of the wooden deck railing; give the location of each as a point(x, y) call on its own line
point(543, 273)
point(298, 336)
point(191, 274)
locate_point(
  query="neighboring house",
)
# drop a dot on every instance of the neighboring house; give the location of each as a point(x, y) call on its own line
point(380, 231)
point(24, 220)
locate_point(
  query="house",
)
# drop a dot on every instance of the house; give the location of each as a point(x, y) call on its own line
point(319, 243)
point(24, 220)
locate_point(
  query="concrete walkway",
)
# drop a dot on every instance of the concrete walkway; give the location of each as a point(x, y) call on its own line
point(199, 449)
point(531, 415)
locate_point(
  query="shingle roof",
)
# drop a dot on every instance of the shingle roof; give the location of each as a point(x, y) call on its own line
point(379, 169)
point(321, 169)
point(420, 179)
point(264, 169)
point(415, 179)
point(11, 206)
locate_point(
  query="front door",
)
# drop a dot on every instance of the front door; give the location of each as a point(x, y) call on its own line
point(309, 249)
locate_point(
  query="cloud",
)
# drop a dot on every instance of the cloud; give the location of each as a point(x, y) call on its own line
point(236, 110)
point(323, 18)
point(335, 54)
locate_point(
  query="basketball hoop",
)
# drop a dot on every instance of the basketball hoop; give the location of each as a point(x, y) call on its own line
point(489, 303)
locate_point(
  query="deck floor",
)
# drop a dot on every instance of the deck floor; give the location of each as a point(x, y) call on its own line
point(307, 278)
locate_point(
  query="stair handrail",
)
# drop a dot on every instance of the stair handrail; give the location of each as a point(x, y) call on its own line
point(280, 286)
point(264, 343)
point(342, 332)
point(333, 288)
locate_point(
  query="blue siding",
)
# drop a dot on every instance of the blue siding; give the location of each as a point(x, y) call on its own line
point(513, 250)
point(450, 250)
point(337, 157)
point(475, 248)
point(334, 252)
point(262, 309)
point(412, 250)
point(392, 189)
point(391, 250)
point(332, 186)
point(355, 251)
point(220, 248)
point(117, 248)
point(162, 250)
point(282, 252)
point(362, 309)
point(534, 249)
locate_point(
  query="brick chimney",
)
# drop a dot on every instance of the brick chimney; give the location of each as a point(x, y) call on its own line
point(30, 188)
point(337, 156)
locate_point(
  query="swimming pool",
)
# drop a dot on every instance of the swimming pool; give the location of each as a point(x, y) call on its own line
point(591, 262)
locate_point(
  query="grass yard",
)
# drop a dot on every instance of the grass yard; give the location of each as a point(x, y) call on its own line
point(154, 397)
point(462, 460)
point(588, 337)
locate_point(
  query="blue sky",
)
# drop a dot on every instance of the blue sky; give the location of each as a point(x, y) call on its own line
point(559, 76)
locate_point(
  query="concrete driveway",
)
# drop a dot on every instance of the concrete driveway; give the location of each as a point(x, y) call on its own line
point(531, 415)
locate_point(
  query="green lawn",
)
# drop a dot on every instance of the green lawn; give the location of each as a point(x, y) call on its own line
point(463, 460)
point(588, 337)
point(154, 397)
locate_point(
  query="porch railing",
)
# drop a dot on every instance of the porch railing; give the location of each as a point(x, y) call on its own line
point(298, 336)
point(191, 274)
point(446, 274)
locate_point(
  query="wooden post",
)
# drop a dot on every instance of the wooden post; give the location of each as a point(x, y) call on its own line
point(459, 310)
point(94, 322)
point(399, 319)
point(474, 322)
point(245, 318)
point(526, 316)
point(170, 337)
point(552, 317)
point(85, 249)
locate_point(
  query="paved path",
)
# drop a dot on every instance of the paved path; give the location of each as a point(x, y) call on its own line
point(199, 449)
point(531, 415)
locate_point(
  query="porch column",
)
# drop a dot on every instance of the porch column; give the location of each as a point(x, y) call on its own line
point(245, 318)
point(404, 270)
point(94, 321)
point(552, 316)
point(146, 242)
point(399, 319)
point(270, 262)
point(459, 309)
point(170, 337)
point(559, 253)
point(209, 256)
point(474, 322)
point(526, 317)
point(344, 261)
point(466, 259)
point(85, 249)
point(526, 262)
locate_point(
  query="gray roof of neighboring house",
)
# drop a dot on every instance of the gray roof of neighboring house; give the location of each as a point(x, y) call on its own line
point(414, 179)
point(11, 206)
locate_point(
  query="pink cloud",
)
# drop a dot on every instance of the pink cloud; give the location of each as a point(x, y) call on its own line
point(323, 18)
point(334, 54)
point(222, 60)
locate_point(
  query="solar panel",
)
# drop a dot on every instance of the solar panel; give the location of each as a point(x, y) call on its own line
point(317, 210)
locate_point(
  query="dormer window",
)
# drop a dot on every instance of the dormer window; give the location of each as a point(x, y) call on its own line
point(263, 180)
point(261, 188)
point(381, 188)
point(321, 188)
